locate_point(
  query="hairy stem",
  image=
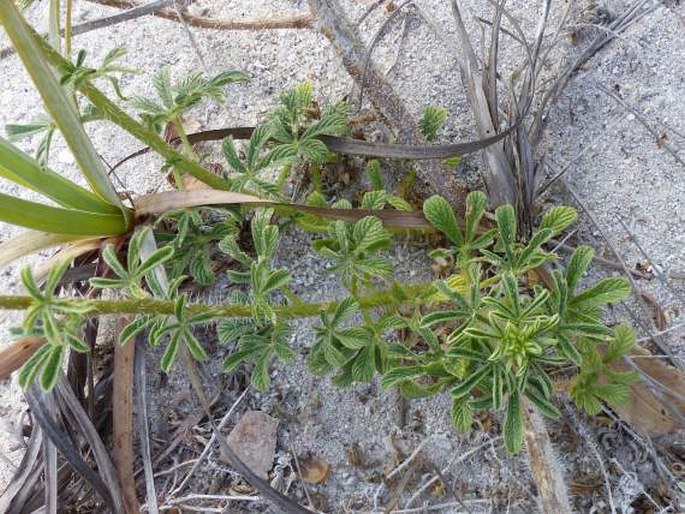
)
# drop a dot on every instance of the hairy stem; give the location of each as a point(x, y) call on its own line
point(118, 116)
point(151, 306)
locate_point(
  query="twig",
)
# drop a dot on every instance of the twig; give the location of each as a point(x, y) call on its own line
point(659, 275)
point(636, 482)
point(108, 21)
point(664, 348)
point(458, 457)
point(299, 474)
point(211, 497)
point(439, 506)
point(290, 22)
point(398, 489)
point(583, 432)
point(175, 467)
point(191, 38)
point(409, 459)
point(208, 447)
point(646, 445)
point(638, 115)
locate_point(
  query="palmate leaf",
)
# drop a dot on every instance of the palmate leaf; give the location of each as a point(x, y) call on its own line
point(439, 213)
point(32, 367)
point(373, 172)
point(344, 310)
point(431, 121)
point(608, 290)
point(578, 265)
point(558, 218)
point(369, 234)
point(464, 388)
point(312, 149)
point(476, 202)
point(231, 155)
point(332, 123)
point(170, 353)
point(623, 340)
point(506, 224)
point(462, 414)
point(394, 376)
point(364, 364)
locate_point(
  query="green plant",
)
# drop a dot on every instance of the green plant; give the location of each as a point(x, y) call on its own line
point(487, 334)
point(502, 337)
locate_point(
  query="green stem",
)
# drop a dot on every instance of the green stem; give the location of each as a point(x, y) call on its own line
point(67, 29)
point(151, 306)
point(181, 131)
point(119, 117)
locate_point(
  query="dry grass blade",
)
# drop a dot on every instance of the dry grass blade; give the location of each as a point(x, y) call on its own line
point(617, 27)
point(543, 463)
point(159, 203)
point(332, 22)
point(122, 406)
point(29, 242)
point(14, 354)
point(50, 468)
point(498, 178)
point(37, 401)
point(86, 428)
point(10, 500)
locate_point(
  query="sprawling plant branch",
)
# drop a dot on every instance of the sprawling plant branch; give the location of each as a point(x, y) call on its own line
point(151, 306)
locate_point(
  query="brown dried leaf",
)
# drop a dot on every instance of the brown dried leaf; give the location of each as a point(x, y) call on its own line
point(652, 413)
point(315, 470)
point(14, 354)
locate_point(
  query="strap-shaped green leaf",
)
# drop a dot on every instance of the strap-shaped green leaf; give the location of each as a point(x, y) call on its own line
point(21, 169)
point(57, 220)
point(60, 107)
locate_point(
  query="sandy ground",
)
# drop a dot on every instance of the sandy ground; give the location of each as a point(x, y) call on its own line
point(622, 172)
